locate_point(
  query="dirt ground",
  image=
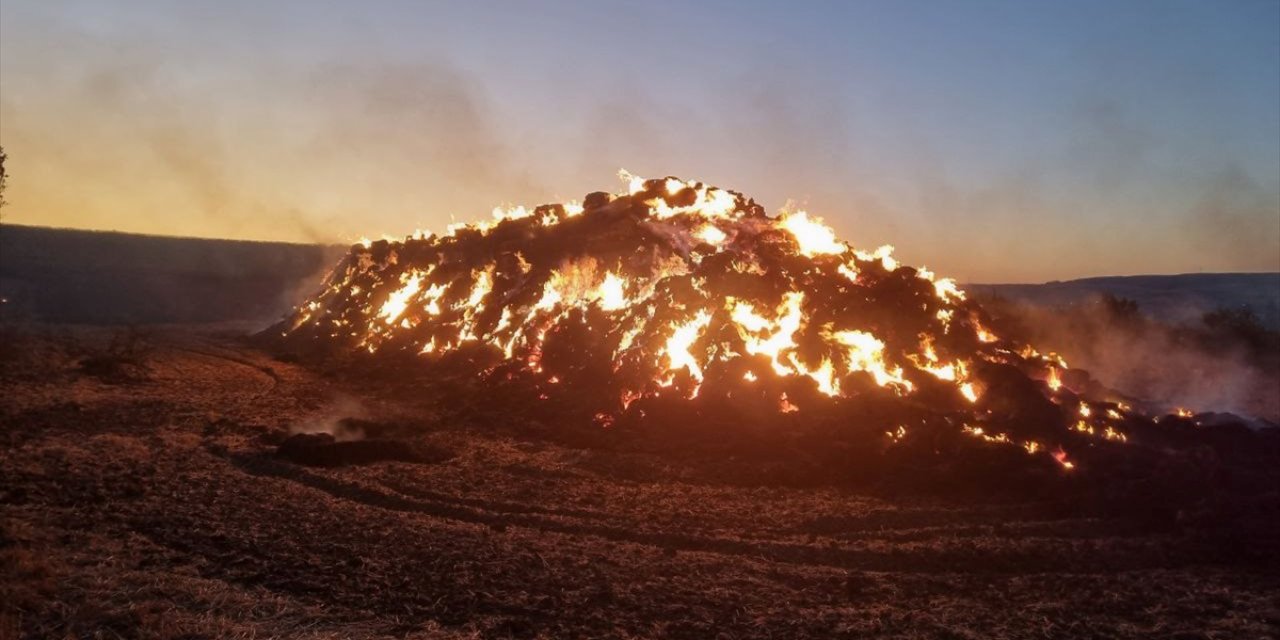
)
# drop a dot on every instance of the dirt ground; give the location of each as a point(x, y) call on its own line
point(148, 501)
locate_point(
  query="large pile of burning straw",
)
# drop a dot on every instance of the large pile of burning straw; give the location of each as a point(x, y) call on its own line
point(680, 303)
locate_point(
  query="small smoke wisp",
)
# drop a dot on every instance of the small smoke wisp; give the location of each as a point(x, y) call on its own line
point(335, 419)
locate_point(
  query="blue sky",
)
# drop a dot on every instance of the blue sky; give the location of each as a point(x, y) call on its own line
point(993, 141)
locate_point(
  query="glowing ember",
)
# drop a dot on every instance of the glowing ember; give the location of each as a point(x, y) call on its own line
point(1054, 382)
point(680, 341)
point(785, 406)
point(1061, 457)
point(813, 237)
point(712, 235)
point(395, 304)
point(611, 294)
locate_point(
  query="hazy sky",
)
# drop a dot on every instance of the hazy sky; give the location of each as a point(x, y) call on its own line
point(992, 141)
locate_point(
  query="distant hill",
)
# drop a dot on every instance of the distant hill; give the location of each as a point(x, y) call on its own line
point(1173, 298)
point(96, 277)
point(106, 277)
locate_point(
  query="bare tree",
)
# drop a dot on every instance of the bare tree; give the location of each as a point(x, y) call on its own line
point(3, 176)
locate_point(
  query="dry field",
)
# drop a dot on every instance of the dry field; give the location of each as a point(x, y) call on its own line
point(141, 495)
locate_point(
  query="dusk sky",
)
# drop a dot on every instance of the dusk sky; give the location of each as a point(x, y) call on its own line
point(991, 141)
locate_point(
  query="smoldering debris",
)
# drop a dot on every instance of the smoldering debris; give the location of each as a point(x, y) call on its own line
point(340, 420)
point(684, 315)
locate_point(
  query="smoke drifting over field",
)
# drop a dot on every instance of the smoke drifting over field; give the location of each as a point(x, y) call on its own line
point(362, 138)
point(164, 152)
point(1180, 364)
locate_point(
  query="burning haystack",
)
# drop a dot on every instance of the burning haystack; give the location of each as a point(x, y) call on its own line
point(683, 304)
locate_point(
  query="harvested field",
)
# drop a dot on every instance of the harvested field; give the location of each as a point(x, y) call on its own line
point(158, 505)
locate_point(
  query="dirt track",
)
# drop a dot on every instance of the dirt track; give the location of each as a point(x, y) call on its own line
point(156, 508)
